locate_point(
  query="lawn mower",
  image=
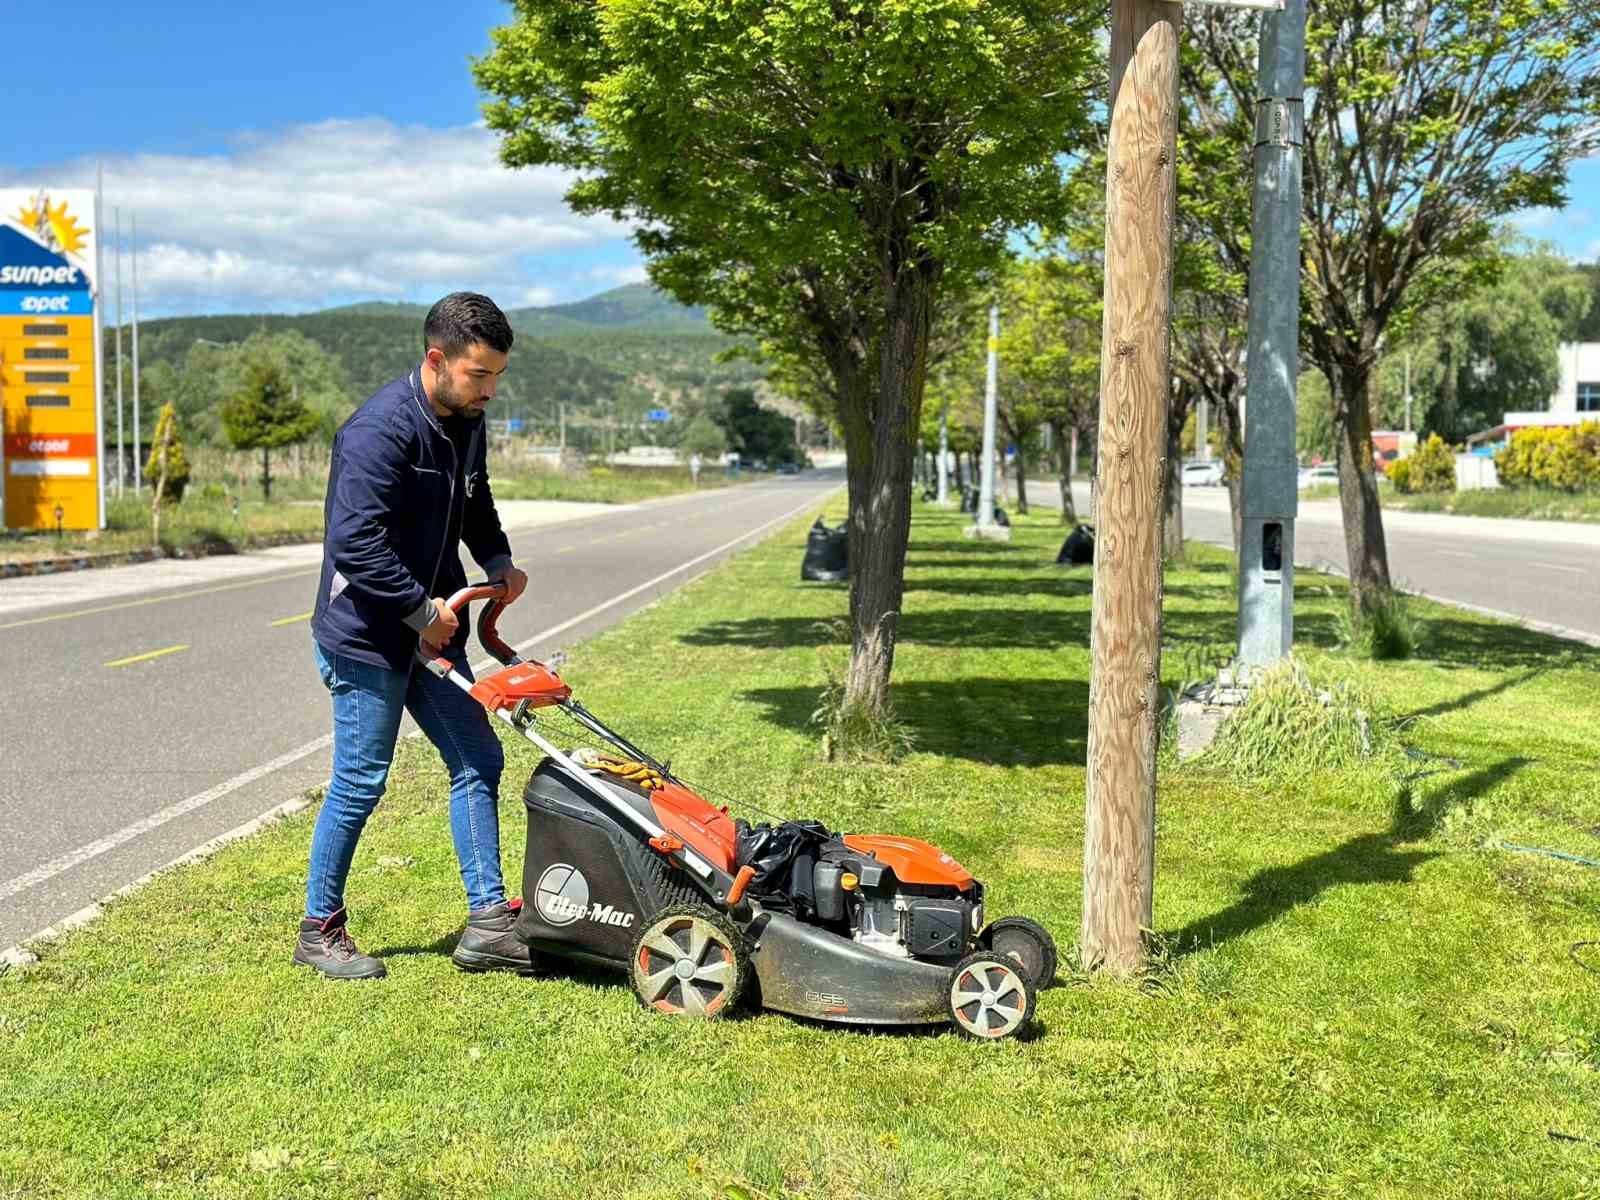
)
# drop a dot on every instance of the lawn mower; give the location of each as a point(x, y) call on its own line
point(630, 868)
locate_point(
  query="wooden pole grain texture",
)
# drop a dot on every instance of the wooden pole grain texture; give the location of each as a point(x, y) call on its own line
point(1125, 637)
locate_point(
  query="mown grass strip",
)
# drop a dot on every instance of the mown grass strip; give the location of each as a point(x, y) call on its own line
point(1353, 993)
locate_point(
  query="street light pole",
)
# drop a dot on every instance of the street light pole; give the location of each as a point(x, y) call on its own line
point(990, 404)
point(116, 215)
point(138, 465)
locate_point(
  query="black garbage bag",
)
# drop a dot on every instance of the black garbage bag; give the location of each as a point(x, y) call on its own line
point(827, 557)
point(1078, 549)
point(783, 856)
point(1000, 517)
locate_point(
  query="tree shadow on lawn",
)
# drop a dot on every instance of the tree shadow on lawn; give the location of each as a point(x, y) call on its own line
point(1009, 628)
point(1064, 587)
point(1370, 858)
point(1459, 643)
point(997, 721)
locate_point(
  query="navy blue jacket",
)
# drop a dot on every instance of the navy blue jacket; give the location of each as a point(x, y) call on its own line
point(398, 504)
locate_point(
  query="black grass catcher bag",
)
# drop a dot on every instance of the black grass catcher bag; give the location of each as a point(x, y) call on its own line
point(783, 857)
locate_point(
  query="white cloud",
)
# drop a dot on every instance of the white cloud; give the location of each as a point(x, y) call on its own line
point(617, 276)
point(1534, 220)
point(346, 210)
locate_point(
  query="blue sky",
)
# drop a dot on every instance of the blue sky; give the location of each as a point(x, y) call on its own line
point(290, 156)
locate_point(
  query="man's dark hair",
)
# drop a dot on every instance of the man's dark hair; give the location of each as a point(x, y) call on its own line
point(465, 319)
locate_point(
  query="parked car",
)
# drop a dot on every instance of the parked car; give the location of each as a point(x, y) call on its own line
point(1315, 476)
point(1201, 474)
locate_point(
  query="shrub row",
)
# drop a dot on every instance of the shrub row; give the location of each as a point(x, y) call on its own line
point(1432, 468)
point(1563, 458)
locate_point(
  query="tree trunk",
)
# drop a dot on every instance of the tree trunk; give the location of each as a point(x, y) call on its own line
point(880, 445)
point(1064, 455)
point(1022, 479)
point(1135, 391)
point(266, 473)
point(1231, 430)
point(1367, 553)
point(1172, 489)
point(960, 479)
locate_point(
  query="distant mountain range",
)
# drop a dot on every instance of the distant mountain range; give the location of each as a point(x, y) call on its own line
point(632, 306)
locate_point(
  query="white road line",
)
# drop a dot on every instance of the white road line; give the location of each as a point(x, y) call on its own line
point(1559, 567)
point(83, 854)
point(155, 820)
point(1455, 554)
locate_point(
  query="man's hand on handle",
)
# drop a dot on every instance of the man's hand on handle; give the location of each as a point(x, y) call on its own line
point(516, 581)
point(443, 626)
point(445, 622)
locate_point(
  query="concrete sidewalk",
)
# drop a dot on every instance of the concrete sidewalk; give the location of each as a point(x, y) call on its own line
point(110, 583)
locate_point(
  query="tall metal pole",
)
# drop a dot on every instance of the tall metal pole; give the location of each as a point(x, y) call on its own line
point(99, 342)
point(944, 454)
point(117, 216)
point(1408, 391)
point(1270, 496)
point(990, 403)
point(1135, 388)
point(138, 464)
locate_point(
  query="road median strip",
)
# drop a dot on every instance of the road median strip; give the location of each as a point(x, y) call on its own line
point(1439, 1032)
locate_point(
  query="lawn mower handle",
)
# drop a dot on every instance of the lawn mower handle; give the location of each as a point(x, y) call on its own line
point(433, 657)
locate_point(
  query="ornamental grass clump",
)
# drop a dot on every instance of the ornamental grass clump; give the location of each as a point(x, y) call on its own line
point(1297, 721)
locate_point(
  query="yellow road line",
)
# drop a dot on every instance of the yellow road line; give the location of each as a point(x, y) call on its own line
point(565, 549)
point(123, 662)
point(104, 608)
point(305, 616)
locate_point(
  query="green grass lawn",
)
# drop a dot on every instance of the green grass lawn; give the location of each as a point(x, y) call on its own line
point(1540, 504)
point(1356, 993)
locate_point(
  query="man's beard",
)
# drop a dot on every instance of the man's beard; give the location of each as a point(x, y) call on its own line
point(444, 392)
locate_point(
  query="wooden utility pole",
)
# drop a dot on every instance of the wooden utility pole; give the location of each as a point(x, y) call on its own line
point(1125, 637)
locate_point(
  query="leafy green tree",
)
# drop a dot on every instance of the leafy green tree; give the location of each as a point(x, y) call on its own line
point(1588, 329)
point(814, 172)
point(759, 433)
point(1427, 122)
point(265, 412)
point(704, 437)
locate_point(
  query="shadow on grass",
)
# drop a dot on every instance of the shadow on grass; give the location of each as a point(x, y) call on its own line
point(1468, 699)
point(1063, 586)
point(1003, 722)
point(1459, 643)
point(1371, 858)
point(1028, 629)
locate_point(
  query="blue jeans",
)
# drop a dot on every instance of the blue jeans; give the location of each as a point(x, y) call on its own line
point(367, 704)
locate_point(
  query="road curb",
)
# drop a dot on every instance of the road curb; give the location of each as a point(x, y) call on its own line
point(128, 558)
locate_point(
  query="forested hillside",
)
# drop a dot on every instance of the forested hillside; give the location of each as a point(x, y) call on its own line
point(619, 353)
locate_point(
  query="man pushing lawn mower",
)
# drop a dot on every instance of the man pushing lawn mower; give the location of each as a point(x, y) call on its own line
point(408, 482)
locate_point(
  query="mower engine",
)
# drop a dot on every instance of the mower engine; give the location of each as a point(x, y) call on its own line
point(897, 896)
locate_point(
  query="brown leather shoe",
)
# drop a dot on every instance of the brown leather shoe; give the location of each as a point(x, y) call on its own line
point(490, 942)
point(326, 946)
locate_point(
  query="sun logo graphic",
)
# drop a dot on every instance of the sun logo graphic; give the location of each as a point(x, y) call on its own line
point(54, 225)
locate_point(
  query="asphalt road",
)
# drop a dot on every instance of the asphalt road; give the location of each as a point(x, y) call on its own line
point(154, 708)
point(1544, 572)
